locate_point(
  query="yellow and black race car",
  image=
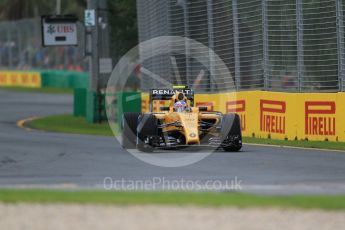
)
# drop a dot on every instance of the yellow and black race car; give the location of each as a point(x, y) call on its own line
point(180, 125)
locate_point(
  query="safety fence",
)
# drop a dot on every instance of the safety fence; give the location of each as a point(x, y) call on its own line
point(276, 115)
point(275, 45)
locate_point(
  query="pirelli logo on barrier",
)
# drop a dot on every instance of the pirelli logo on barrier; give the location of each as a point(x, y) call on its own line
point(320, 118)
point(23, 79)
point(238, 106)
point(272, 116)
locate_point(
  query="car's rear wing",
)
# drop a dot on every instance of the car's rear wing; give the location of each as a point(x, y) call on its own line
point(166, 94)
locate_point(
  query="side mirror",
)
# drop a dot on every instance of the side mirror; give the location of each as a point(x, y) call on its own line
point(164, 108)
point(203, 108)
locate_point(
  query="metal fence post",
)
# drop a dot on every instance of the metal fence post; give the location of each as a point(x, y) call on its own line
point(103, 40)
point(21, 56)
point(265, 44)
point(1, 42)
point(300, 50)
point(210, 41)
point(93, 111)
point(9, 46)
point(236, 45)
point(94, 57)
point(183, 4)
point(340, 42)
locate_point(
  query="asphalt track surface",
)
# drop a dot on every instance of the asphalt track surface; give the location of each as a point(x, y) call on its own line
point(66, 161)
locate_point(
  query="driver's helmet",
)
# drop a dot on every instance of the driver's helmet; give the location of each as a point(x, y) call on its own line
point(180, 103)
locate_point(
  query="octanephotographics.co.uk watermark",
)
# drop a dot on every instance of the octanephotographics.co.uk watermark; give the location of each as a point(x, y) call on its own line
point(164, 184)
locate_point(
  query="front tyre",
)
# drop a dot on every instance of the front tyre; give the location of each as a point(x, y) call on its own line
point(234, 148)
point(129, 130)
point(231, 133)
point(147, 128)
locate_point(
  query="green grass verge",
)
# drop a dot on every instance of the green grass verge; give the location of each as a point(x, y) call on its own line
point(70, 124)
point(47, 90)
point(298, 143)
point(173, 198)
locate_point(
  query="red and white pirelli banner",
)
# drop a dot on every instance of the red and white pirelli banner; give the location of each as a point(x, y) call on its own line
point(20, 79)
point(312, 116)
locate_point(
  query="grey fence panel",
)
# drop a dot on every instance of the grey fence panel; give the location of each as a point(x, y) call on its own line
point(320, 46)
point(250, 21)
point(153, 22)
point(282, 45)
point(341, 45)
point(226, 43)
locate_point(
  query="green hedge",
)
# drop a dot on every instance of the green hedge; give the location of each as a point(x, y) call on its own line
point(64, 79)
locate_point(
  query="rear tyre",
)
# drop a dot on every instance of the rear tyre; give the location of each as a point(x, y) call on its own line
point(147, 127)
point(129, 130)
point(231, 132)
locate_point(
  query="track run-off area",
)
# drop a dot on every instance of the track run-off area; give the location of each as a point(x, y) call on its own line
point(37, 159)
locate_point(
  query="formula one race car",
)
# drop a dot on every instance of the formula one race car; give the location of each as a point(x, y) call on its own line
point(180, 125)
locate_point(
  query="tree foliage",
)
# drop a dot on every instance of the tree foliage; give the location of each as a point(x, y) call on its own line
point(123, 23)
point(19, 9)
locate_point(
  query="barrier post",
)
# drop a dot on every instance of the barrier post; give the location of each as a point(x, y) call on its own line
point(265, 44)
point(210, 40)
point(95, 107)
point(236, 45)
point(340, 42)
point(300, 50)
point(79, 105)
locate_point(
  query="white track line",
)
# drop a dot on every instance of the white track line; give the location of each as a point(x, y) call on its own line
point(294, 147)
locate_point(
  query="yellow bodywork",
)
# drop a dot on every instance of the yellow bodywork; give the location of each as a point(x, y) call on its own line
point(188, 121)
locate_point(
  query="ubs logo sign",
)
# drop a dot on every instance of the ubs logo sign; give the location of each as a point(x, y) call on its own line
point(272, 116)
point(238, 106)
point(320, 117)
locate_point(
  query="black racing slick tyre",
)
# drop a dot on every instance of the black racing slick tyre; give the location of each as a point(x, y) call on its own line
point(147, 127)
point(231, 132)
point(129, 130)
